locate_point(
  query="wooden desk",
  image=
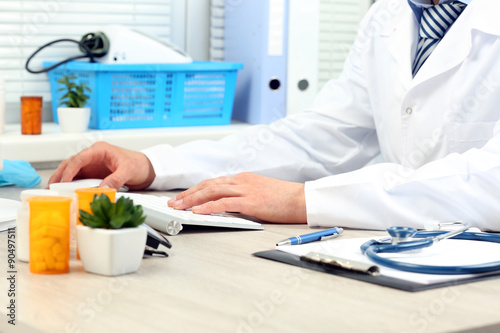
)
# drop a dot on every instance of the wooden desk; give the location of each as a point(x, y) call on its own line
point(212, 283)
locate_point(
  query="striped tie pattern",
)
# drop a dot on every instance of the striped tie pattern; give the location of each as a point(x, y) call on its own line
point(435, 22)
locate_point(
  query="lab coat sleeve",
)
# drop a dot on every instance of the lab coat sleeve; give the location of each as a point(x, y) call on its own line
point(335, 135)
point(462, 187)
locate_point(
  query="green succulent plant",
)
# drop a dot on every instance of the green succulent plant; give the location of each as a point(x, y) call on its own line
point(112, 215)
point(75, 96)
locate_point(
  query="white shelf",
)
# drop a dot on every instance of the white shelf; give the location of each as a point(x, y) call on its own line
point(54, 146)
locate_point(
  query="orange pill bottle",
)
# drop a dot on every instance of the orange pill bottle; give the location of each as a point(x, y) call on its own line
point(49, 234)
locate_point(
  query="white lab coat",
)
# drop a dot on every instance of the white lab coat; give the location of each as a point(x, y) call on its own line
point(438, 133)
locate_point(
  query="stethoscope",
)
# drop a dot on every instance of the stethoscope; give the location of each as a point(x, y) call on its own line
point(401, 240)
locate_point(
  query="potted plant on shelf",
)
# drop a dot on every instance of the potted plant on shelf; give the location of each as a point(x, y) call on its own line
point(110, 241)
point(75, 117)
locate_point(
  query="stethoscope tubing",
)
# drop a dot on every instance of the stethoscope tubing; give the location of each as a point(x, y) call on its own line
point(372, 248)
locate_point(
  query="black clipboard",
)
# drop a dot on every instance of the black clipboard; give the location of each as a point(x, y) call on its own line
point(386, 281)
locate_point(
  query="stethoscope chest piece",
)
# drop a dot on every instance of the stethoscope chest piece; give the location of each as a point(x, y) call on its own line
point(401, 234)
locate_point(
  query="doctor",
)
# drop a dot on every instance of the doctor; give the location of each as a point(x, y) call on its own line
point(429, 106)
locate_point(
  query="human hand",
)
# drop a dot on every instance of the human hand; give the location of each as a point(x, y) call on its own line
point(262, 197)
point(116, 166)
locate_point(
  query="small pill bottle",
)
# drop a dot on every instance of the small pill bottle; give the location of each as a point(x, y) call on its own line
point(68, 190)
point(85, 196)
point(23, 222)
point(49, 234)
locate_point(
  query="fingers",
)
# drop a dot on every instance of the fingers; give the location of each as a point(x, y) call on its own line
point(262, 197)
point(203, 194)
point(205, 184)
point(117, 166)
point(115, 180)
point(222, 194)
point(69, 168)
point(75, 164)
point(57, 175)
point(232, 204)
point(129, 168)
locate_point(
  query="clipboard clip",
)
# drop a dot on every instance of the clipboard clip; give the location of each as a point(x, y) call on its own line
point(337, 262)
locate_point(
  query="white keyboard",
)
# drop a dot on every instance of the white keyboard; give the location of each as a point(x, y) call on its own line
point(166, 219)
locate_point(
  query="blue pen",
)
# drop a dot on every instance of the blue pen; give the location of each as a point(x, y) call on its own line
point(315, 236)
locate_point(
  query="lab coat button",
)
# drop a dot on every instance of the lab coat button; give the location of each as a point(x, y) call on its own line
point(409, 111)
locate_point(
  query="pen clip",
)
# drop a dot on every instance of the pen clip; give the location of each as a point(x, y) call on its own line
point(329, 237)
point(351, 265)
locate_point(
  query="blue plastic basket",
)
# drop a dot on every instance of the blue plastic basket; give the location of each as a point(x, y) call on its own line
point(159, 95)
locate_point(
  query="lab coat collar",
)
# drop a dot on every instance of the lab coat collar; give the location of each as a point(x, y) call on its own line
point(480, 15)
point(400, 38)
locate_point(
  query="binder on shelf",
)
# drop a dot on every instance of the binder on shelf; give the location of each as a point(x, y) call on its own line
point(302, 62)
point(256, 34)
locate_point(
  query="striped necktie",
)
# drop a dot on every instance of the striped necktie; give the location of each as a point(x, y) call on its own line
point(435, 22)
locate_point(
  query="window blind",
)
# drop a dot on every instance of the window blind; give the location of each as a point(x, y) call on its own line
point(339, 20)
point(28, 24)
point(217, 30)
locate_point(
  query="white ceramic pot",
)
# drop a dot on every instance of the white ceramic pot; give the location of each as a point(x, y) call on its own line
point(111, 251)
point(73, 120)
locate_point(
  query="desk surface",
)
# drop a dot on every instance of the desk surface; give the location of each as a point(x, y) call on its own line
point(212, 283)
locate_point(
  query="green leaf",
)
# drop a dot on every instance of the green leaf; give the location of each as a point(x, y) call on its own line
point(91, 220)
point(133, 224)
point(75, 96)
point(84, 214)
point(105, 214)
point(108, 208)
point(136, 213)
point(137, 223)
point(120, 206)
point(95, 207)
point(105, 204)
point(118, 221)
point(129, 205)
point(72, 100)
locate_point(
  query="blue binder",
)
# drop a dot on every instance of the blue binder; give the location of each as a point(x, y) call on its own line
point(256, 35)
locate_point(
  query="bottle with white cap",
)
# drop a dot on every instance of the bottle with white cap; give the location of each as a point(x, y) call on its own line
point(23, 222)
point(68, 190)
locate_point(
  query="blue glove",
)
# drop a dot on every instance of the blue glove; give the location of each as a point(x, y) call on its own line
point(19, 173)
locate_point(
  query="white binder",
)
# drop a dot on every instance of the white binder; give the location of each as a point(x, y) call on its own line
point(303, 46)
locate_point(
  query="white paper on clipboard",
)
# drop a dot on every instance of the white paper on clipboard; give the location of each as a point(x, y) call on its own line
point(449, 252)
